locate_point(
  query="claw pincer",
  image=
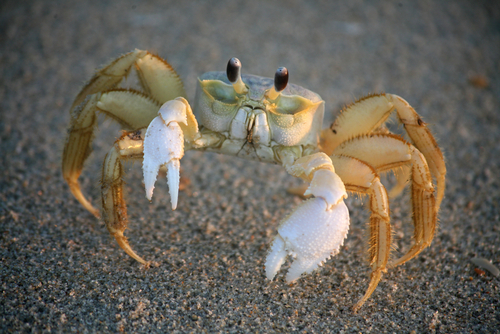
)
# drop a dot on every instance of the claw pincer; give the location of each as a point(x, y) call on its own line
point(164, 146)
point(310, 235)
point(317, 228)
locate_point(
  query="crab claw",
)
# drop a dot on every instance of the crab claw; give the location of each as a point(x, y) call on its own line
point(311, 235)
point(164, 146)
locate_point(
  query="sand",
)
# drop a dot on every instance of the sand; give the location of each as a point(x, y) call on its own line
point(60, 271)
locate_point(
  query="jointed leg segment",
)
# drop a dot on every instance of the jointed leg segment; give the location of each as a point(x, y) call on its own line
point(367, 114)
point(424, 142)
point(133, 110)
point(114, 209)
point(361, 178)
point(129, 108)
point(386, 152)
point(77, 149)
point(360, 153)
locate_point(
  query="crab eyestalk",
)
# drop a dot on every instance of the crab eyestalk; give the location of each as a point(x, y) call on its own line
point(233, 72)
point(280, 82)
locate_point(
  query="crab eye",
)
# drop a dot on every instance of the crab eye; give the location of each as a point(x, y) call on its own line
point(280, 82)
point(233, 72)
point(280, 79)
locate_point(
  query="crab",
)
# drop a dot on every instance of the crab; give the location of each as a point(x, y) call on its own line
point(271, 121)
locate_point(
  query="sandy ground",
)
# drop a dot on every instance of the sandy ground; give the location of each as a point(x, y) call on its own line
point(62, 272)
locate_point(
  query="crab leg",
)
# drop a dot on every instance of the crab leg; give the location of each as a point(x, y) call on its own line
point(424, 141)
point(114, 209)
point(78, 147)
point(150, 145)
point(109, 76)
point(361, 178)
point(369, 113)
point(132, 109)
point(316, 229)
point(402, 176)
point(385, 152)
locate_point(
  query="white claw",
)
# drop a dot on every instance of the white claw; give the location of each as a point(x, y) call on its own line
point(163, 145)
point(311, 235)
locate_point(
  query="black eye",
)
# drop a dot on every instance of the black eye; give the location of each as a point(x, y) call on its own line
point(233, 69)
point(280, 79)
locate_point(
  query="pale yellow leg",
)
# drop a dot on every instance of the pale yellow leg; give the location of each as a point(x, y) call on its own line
point(385, 152)
point(157, 77)
point(362, 117)
point(109, 76)
point(423, 141)
point(363, 179)
point(114, 209)
point(402, 178)
point(132, 109)
point(367, 114)
point(78, 147)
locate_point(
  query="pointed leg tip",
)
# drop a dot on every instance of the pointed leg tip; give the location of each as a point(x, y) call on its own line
point(123, 242)
point(76, 191)
point(141, 260)
point(96, 212)
point(356, 307)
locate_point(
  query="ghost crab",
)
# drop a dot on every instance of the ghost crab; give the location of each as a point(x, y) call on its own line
point(272, 121)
